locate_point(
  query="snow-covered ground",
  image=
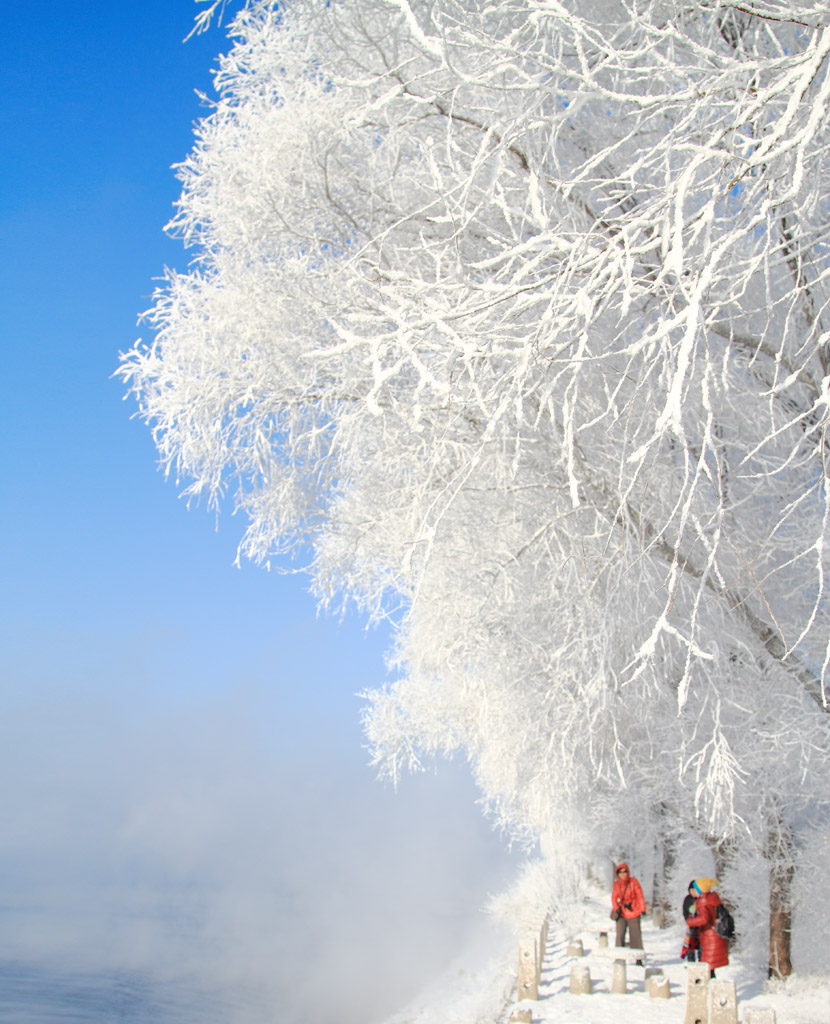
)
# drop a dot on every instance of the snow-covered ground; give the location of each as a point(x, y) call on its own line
point(479, 987)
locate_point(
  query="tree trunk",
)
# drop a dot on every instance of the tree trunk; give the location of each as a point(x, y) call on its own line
point(723, 851)
point(781, 870)
point(664, 862)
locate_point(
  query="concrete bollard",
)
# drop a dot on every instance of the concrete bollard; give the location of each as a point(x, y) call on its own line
point(697, 994)
point(580, 980)
point(660, 987)
point(527, 985)
point(575, 948)
point(619, 980)
point(521, 1016)
point(723, 1002)
point(763, 1015)
point(650, 974)
point(603, 940)
point(543, 946)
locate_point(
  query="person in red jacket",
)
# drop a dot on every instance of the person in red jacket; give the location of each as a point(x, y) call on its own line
point(627, 905)
point(713, 949)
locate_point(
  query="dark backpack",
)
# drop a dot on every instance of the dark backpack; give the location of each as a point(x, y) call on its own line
point(724, 923)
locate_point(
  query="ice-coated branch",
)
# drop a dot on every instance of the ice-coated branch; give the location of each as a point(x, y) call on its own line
point(513, 317)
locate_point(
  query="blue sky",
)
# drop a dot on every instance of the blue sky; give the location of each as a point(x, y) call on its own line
point(157, 701)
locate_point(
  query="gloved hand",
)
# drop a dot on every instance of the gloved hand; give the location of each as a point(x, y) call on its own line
point(684, 952)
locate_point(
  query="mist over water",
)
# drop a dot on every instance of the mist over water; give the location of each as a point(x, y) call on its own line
point(191, 860)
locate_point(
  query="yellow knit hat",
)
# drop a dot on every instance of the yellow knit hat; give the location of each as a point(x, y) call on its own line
point(706, 884)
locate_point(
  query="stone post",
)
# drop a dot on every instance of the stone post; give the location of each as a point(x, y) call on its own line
point(543, 945)
point(527, 985)
point(575, 948)
point(619, 980)
point(521, 1016)
point(651, 974)
point(580, 980)
point(763, 1015)
point(660, 987)
point(697, 994)
point(603, 940)
point(723, 1002)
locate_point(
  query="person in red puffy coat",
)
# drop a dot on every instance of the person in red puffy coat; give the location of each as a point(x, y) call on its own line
point(627, 906)
point(713, 949)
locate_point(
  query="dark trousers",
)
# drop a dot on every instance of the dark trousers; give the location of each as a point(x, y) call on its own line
point(635, 935)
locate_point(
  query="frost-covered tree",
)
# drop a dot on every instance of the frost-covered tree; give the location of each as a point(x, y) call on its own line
point(515, 316)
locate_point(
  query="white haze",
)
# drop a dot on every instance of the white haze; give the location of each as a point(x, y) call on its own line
point(234, 839)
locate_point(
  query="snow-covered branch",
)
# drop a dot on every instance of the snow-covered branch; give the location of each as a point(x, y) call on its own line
point(515, 316)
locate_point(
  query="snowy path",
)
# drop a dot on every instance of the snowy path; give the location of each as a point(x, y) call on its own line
point(556, 1003)
point(796, 1003)
point(479, 987)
